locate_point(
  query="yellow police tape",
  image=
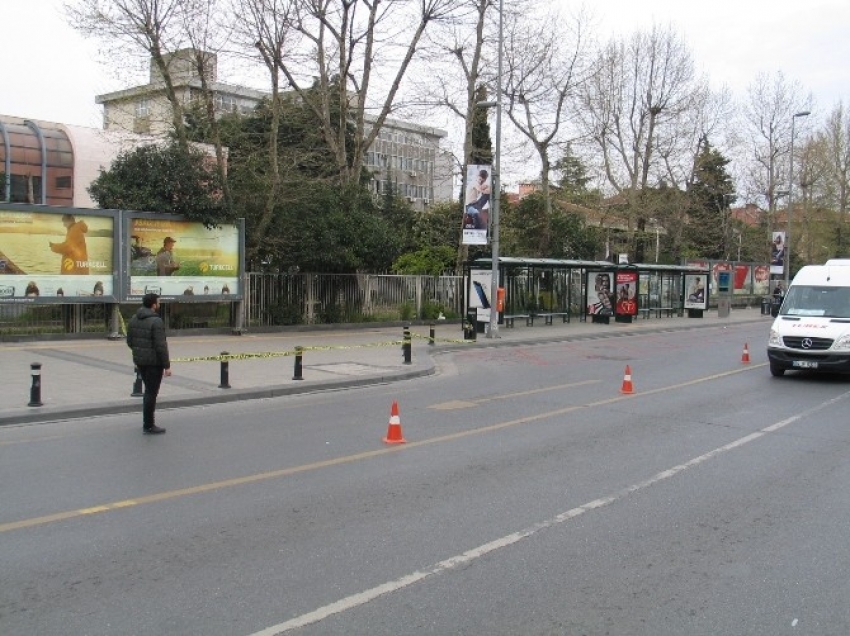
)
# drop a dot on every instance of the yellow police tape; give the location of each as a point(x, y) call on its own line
point(280, 354)
point(283, 354)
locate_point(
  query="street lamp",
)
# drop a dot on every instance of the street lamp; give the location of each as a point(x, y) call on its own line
point(802, 113)
point(496, 191)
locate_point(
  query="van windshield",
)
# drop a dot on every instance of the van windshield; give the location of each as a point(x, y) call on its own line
point(808, 300)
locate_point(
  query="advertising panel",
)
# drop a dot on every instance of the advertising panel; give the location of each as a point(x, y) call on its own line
point(777, 253)
point(479, 295)
point(57, 255)
point(695, 296)
point(627, 283)
point(599, 301)
point(182, 260)
point(476, 206)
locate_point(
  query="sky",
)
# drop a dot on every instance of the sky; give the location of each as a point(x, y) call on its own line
point(50, 72)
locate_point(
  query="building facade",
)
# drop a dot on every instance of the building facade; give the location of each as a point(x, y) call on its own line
point(406, 155)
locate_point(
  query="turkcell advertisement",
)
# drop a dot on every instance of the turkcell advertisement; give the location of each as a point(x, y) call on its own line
point(57, 255)
point(182, 260)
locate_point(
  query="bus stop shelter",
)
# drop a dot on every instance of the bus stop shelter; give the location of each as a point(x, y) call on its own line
point(542, 290)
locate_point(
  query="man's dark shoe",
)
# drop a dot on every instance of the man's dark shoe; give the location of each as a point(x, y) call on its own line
point(153, 430)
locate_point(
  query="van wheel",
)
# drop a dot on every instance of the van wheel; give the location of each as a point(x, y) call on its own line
point(776, 372)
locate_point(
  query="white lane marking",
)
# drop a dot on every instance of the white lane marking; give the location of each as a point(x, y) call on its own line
point(361, 598)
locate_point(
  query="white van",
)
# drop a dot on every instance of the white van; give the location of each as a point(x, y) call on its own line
point(812, 330)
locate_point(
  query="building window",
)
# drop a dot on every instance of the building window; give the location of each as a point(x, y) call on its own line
point(142, 108)
point(63, 183)
point(225, 103)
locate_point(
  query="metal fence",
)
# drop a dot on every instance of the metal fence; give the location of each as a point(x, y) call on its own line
point(270, 300)
point(292, 299)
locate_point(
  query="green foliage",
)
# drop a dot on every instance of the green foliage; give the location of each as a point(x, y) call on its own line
point(284, 313)
point(708, 231)
point(482, 145)
point(431, 261)
point(528, 231)
point(407, 311)
point(162, 179)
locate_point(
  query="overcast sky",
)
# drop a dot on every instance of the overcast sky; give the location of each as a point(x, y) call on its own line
point(49, 72)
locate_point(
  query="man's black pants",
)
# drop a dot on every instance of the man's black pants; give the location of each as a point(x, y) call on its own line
point(152, 378)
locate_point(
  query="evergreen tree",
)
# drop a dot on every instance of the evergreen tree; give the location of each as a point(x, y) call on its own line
point(482, 144)
point(709, 229)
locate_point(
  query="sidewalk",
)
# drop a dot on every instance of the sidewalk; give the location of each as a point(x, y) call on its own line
point(83, 378)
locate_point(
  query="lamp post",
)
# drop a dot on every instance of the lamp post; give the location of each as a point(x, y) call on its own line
point(802, 113)
point(496, 191)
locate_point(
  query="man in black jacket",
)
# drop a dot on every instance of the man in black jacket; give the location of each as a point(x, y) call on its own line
point(146, 337)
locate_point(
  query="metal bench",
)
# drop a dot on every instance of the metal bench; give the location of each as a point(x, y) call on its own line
point(549, 315)
point(509, 320)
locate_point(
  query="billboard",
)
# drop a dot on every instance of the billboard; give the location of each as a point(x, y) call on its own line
point(476, 206)
point(57, 255)
point(627, 283)
point(695, 294)
point(182, 260)
point(599, 294)
point(777, 253)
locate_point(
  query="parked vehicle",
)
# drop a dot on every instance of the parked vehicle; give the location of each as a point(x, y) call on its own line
point(812, 330)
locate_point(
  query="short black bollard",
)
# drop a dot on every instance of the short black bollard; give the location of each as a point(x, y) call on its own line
point(406, 346)
point(299, 367)
point(431, 335)
point(137, 385)
point(225, 372)
point(35, 391)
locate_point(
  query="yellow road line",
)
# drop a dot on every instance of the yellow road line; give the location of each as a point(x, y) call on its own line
point(347, 459)
point(462, 404)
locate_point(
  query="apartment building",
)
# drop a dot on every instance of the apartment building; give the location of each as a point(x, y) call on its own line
point(405, 154)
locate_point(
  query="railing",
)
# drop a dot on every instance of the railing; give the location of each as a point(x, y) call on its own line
point(270, 300)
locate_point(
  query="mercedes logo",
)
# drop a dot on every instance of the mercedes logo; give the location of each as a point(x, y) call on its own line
point(807, 343)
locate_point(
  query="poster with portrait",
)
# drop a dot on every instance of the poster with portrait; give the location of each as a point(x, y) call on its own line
point(777, 253)
point(599, 294)
point(761, 279)
point(626, 290)
point(476, 204)
point(56, 255)
point(182, 260)
point(696, 296)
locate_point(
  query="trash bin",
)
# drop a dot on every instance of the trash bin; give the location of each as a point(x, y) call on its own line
point(765, 306)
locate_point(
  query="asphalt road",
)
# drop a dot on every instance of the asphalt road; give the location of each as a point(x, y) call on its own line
point(532, 497)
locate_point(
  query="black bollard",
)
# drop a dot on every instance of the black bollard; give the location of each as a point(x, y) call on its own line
point(299, 367)
point(35, 391)
point(431, 335)
point(137, 385)
point(225, 372)
point(406, 346)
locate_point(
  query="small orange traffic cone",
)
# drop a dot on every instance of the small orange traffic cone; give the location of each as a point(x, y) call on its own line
point(394, 434)
point(745, 357)
point(627, 382)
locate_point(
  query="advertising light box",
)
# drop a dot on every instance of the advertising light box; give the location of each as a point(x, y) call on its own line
point(182, 260)
point(57, 255)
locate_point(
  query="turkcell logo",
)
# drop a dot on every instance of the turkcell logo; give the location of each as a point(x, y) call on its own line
point(2, 265)
point(6, 291)
point(214, 267)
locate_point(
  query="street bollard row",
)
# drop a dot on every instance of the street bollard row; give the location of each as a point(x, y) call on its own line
point(138, 391)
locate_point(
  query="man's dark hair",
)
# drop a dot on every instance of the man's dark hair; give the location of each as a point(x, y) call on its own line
point(149, 300)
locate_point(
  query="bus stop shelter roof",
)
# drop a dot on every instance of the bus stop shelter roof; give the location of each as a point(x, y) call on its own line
point(516, 261)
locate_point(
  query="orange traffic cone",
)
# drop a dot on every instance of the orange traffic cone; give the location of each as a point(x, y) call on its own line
point(394, 434)
point(627, 382)
point(745, 357)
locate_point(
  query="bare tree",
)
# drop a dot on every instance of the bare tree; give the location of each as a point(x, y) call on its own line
point(344, 47)
point(150, 27)
point(266, 26)
point(202, 22)
point(633, 110)
point(546, 59)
